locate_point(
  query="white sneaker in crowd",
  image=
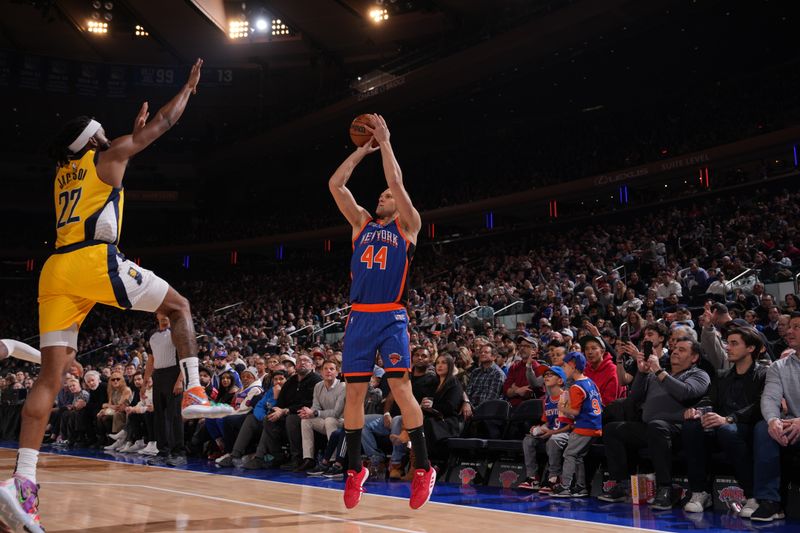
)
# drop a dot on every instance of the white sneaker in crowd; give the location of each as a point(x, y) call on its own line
point(136, 446)
point(115, 446)
point(121, 434)
point(150, 449)
point(749, 508)
point(699, 502)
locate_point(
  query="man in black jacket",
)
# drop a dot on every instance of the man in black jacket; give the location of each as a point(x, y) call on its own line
point(283, 421)
point(734, 399)
point(98, 395)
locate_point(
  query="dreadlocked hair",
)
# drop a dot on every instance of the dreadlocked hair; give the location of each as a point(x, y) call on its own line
point(59, 148)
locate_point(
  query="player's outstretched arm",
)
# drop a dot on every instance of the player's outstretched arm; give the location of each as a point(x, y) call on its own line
point(354, 213)
point(112, 162)
point(409, 216)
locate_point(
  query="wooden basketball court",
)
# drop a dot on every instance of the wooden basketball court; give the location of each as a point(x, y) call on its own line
point(92, 495)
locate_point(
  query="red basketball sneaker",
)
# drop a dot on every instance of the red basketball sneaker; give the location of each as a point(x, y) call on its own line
point(354, 487)
point(422, 487)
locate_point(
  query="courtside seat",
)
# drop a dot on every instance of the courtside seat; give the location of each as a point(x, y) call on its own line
point(520, 421)
point(488, 421)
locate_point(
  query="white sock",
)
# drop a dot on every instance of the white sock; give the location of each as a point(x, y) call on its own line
point(191, 374)
point(23, 351)
point(26, 463)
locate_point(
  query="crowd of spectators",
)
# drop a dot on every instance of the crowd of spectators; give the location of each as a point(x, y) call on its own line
point(642, 311)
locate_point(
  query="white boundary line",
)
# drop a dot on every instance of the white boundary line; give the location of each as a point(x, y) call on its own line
point(517, 513)
point(236, 502)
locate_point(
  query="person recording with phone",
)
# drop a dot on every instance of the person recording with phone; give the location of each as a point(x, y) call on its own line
point(655, 338)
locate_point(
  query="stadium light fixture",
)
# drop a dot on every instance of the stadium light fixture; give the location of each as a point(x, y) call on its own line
point(279, 28)
point(139, 31)
point(94, 26)
point(262, 24)
point(378, 15)
point(238, 29)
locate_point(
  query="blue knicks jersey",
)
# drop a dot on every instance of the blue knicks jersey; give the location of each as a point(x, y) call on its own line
point(379, 266)
point(590, 416)
point(550, 415)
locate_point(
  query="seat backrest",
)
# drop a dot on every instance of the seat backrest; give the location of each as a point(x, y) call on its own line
point(522, 417)
point(492, 410)
point(489, 420)
point(527, 411)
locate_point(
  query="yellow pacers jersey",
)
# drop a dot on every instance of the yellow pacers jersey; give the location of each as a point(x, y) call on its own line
point(86, 208)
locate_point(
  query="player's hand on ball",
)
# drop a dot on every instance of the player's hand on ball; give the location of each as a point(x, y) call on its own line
point(368, 148)
point(379, 129)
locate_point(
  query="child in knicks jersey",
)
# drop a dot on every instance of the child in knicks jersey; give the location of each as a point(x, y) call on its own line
point(582, 403)
point(554, 432)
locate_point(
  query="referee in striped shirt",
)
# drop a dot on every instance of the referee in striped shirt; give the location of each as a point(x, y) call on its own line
point(167, 394)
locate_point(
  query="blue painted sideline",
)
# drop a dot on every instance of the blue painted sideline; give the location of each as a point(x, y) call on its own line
point(490, 498)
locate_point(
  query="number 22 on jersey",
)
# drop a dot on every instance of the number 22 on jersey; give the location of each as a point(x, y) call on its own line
point(371, 258)
point(68, 200)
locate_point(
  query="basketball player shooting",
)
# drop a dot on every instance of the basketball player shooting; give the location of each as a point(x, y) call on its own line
point(383, 248)
point(87, 268)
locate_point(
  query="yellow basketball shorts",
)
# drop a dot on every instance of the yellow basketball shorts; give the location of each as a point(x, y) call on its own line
point(72, 282)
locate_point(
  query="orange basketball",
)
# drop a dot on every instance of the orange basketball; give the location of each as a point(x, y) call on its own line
point(358, 133)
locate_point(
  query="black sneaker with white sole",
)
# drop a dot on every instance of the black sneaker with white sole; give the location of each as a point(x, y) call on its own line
point(334, 471)
point(616, 493)
point(560, 491)
point(665, 499)
point(767, 511)
point(318, 470)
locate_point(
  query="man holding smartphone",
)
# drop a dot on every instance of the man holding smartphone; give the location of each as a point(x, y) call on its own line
point(655, 337)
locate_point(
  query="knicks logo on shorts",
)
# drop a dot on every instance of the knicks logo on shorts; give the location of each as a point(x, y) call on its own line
point(135, 274)
point(394, 358)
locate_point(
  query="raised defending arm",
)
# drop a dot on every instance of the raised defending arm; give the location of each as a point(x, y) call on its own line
point(111, 163)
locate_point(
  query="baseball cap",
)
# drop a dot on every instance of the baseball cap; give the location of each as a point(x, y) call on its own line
point(577, 358)
point(526, 338)
point(544, 322)
point(252, 370)
point(221, 353)
point(568, 332)
point(286, 357)
point(317, 351)
point(557, 370)
point(583, 341)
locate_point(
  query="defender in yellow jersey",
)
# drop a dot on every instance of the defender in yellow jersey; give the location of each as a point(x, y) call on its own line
point(87, 268)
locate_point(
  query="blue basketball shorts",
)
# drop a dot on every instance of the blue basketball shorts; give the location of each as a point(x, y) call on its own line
point(368, 334)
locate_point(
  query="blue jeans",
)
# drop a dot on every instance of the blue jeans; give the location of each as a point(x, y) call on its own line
point(373, 428)
point(767, 464)
point(734, 439)
point(214, 428)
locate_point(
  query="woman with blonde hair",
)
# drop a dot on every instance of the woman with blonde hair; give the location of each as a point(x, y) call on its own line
point(112, 417)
